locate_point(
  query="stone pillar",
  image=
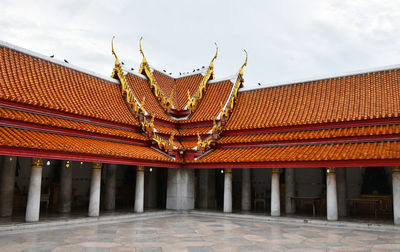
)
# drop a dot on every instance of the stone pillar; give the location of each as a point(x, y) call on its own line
point(206, 188)
point(139, 190)
point(331, 194)
point(7, 179)
point(246, 189)
point(290, 191)
point(396, 194)
point(65, 187)
point(275, 193)
point(228, 191)
point(94, 201)
point(180, 189)
point(35, 184)
point(109, 192)
point(341, 191)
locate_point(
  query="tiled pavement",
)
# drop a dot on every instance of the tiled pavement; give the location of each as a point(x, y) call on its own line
point(200, 234)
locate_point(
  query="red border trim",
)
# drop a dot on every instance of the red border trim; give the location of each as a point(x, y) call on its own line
point(66, 116)
point(69, 132)
point(23, 152)
point(298, 164)
point(340, 140)
point(348, 124)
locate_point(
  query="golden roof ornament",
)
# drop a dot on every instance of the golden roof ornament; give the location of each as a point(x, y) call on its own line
point(244, 64)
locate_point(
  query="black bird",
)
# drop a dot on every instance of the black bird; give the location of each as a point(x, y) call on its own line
point(52, 56)
point(180, 73)
point(194, 70)
point(203, 67)
point(132, 69)
point(66, 61)
point(198, 69)
point(122, 63)
point(170, 73)
point(164, 71)
point(259, 84)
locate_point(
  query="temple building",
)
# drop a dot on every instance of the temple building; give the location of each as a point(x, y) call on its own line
point(73, 140)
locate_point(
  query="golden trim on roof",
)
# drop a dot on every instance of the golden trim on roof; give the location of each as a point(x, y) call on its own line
point(193, 102)
point(224, 114)
point(166, 102)
point(138, 108)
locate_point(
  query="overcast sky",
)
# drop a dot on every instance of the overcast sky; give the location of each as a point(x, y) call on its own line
point(286, 40)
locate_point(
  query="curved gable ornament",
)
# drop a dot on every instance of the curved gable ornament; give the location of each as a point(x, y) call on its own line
point(166, 102)
point(193, 102)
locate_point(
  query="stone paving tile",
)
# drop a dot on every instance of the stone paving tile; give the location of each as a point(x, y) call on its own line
point(183, 234)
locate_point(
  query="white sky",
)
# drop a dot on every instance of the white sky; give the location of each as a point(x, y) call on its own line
point(286, 40)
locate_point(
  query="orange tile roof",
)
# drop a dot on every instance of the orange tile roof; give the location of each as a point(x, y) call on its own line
point(166, 84)
point(30, 80)
point(68, 124)
point(141, 88)
point(323, 152)
point(193, 131)
point(314, 134)
point(165, 129)
point(188, 145)
point(184, 84)
point(355, 97)
point(12, 137)
point(210, 105)
point(180, 86)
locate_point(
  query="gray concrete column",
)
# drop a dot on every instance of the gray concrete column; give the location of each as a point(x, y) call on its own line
point(35, 184)
point(396, 194)
point(7, 179)
point(275, 193)
point(65, 187)
point(139, 190)
point(341, 190)
point(109, 190)
point(331, 194)
point(180, 189)
point(228, 191)
point(290, 191)
point(203, 188)
point(94, 200)
point(246, 189)
point(206, 188)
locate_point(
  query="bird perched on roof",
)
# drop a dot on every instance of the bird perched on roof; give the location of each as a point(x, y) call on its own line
point(66, 61)
point(170, 73)
point(180, 73)
point(122, 63)
point(164, 71)
point(132, 68)
point(259, 84)
point(203, 67)
point(52, 56)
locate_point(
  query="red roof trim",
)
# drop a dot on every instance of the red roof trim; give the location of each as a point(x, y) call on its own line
point(70, 132)
point(24, 152)
point(336, 140)
point(370, 122)
point(298, 164)
point(67, 116)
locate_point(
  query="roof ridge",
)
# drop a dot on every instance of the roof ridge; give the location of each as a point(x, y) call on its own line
point(55, 61)
point(325, 77)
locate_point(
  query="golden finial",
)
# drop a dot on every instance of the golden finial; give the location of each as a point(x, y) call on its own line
point(198, 137)
point(140, 47)
point(112, 47)
point(152, 119)
point(171, 96)
point(216, 53)
point(143, 100)
point(244, 64)
point(171, 140)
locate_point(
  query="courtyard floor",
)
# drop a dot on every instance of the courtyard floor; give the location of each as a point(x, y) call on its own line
point(199, 234)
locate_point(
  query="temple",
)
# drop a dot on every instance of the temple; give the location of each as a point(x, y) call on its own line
point(73, 139)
